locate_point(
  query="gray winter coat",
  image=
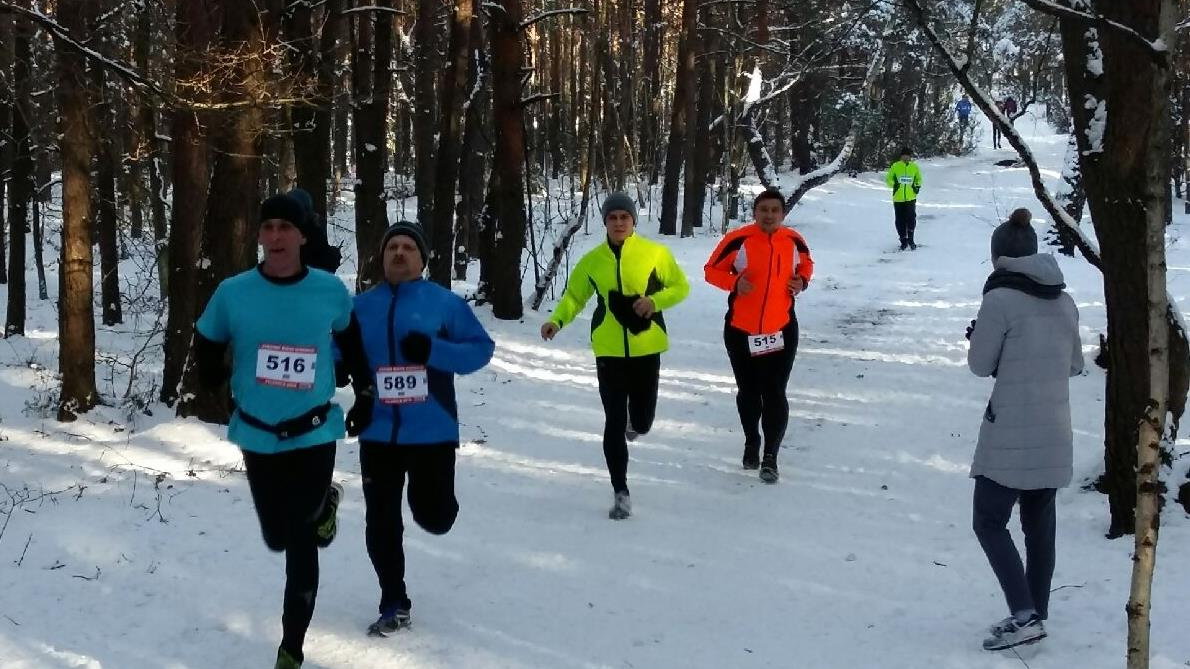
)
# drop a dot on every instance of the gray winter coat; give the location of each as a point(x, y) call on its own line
point(1031, 345)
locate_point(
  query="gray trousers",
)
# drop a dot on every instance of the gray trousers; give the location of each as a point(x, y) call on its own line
point(1025, 586)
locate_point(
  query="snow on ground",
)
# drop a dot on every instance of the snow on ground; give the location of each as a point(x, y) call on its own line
point(862, 556)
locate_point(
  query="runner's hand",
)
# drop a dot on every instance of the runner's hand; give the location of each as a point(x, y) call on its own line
point(644, 307)
point(796, 285)
point(970, 329)
point(359, 416)
point(416, 348)
point(548, 330)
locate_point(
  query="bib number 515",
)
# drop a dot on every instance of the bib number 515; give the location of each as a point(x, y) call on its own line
point(764, 344)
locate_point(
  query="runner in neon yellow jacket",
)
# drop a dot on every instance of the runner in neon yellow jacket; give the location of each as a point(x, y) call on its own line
point(904, 178)
point(634, 281)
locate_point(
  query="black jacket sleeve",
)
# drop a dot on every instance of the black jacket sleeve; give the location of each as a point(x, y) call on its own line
point(211, 359)
point(351, 344)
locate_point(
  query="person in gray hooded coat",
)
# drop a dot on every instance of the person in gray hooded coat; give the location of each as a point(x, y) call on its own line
point(1026, 336)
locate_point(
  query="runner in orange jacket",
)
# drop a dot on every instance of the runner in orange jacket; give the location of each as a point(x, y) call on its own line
point(764, 266)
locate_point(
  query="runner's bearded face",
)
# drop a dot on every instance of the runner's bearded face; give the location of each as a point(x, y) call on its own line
point(620, 225)
point(282, 244)
point(770, 213)
point(402, 260)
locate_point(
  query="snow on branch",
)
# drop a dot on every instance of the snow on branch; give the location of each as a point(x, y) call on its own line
point(1155, 48)
point(62, 36)
point(983, 100)
point(553, 12)
point(371, 8)
point(539, 97)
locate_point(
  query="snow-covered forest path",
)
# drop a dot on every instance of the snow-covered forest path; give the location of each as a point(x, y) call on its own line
point(862, 556)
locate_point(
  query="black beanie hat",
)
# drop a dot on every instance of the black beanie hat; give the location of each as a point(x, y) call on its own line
point(287, 209)
point(1015, 237)
point(408, 229)
point(906, 151)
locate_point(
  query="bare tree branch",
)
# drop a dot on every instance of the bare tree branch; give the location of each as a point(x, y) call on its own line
point(553, 12)
point(984, 101)
point(372, 8)
point(1155, 48)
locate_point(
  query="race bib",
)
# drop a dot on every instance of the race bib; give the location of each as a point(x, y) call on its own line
point(906, 179)
point(402, 384)
point(766, 343)
point(284, 366)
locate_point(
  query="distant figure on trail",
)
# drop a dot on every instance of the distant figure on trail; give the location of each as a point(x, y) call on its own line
point(996, 134)
point(1010, 109)
point(904, 178)
point(1026, 337)
point(962, 109)
point(633, 280)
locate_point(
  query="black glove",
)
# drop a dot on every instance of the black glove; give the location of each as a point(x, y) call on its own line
point(621, 307)
point(359, 417)
point(970, 329)
point(415, 347)
point(342, 376)
point(916, 190)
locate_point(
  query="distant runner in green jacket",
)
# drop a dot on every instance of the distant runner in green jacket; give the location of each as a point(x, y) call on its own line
point(904, 178)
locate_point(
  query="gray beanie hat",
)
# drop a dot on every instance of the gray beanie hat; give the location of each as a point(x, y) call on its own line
point(1015, 237)
point(618, 202)
point(408, 229)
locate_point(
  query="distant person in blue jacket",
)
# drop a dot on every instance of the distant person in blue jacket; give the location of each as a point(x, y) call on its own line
point(963, 110)
point(417, 335)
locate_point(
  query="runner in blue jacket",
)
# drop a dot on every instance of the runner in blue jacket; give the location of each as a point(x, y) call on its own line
point(417, 335)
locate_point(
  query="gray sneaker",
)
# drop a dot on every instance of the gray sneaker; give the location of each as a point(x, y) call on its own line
point(621, 507)
point(1009, 633)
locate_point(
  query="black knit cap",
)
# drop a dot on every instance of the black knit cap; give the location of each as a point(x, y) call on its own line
point(409, 229)
point(1015, 238)
point(285, 208)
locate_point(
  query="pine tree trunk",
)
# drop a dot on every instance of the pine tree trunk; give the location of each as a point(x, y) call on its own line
point(425, 68)
point(371, 82)
point(314, 65)
point(442, 240)
point(233, 204)
point(506, 190)
point(76, 318)
point(195, 30)
point(1119, 226)
point(342, 107)
point(20, 190)
point(148, 154)
point(698, 149)
point(106, 213)
point(7, 110)
point(654, 32)
point(105, 159)
point(684, 94)
point(475, 149)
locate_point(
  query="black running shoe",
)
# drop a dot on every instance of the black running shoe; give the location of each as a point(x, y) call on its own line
point(751, 456)
point(390, 622)
point(768, 468)
point(328, 524)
